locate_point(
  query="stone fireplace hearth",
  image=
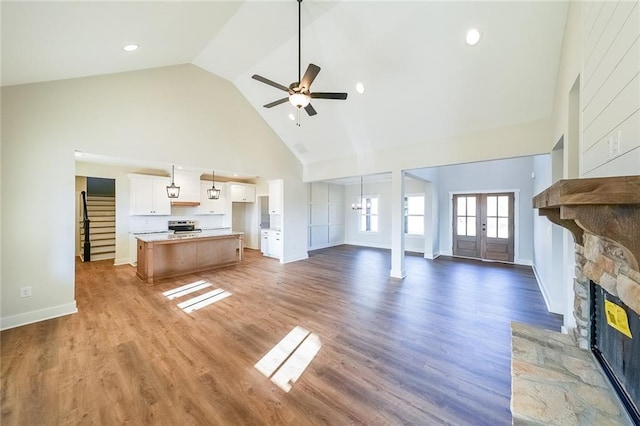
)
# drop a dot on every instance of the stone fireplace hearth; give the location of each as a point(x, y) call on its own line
point(603, 214)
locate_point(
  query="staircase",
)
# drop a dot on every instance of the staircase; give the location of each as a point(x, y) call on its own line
point(102, 229)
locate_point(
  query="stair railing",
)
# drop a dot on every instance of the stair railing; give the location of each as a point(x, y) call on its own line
point(85, 224)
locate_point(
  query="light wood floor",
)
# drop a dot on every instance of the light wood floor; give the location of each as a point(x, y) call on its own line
point(432, 349)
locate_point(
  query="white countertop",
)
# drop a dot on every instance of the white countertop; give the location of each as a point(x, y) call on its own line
point(149, 238)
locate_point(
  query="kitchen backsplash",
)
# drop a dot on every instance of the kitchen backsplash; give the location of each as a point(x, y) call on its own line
point(159, 223)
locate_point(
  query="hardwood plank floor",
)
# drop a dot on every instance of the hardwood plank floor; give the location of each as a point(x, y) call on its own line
point(431, 349)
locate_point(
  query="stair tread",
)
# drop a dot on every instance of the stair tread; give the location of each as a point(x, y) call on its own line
point(108, 249)
point(102, 243)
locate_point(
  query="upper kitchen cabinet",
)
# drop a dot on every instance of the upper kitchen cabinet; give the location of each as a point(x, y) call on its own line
point(149, 195)
point(275, 197)
point(189, 183)
point(208, 206)
point(242, 192)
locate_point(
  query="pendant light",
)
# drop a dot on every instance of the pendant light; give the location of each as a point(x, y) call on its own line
point(212, 192)
point(173, 191)
point(358, 205)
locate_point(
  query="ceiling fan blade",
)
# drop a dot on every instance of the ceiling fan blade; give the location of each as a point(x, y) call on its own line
point(328, 95)
point(310, 110)
point(309, 75)
point(269, 82)
point(274, 103)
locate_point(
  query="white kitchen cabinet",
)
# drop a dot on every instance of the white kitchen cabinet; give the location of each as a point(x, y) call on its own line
point(275, 197)
point(208, 206)
point(242, 193)
point(264, 242)
point(149, 195)
point(271, 243)
point(275, 244)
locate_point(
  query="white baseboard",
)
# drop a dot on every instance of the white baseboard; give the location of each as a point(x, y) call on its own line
point(542, 287)
point(37, 316)
point(524, 262)
point(398, 274)
point(122, 261)
point(296, 257)
point(379, 246)
point(323, 246)
point(446, 253)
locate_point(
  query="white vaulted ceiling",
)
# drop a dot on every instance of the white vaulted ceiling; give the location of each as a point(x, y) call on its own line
point(423, 83)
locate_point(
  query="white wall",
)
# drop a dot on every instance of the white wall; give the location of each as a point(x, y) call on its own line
point(326, 215)
point(178, 114)
point(523, 139)
point(353, 235)
point(600, 50)
point(416, 243)
point(550, 283)
point(610, 94)
point(512, 175)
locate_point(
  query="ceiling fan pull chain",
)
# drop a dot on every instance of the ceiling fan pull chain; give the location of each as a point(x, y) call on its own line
point(298, 120)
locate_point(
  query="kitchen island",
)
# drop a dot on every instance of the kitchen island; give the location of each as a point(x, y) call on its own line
point(167, 255)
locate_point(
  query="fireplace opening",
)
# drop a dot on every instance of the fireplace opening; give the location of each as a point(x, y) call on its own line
point(615, 343)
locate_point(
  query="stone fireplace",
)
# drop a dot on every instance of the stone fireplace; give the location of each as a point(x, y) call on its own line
point(603, 214)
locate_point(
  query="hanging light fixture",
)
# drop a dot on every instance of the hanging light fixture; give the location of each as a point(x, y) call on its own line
point(212, 192)
point(173, 191)
point(358, 205)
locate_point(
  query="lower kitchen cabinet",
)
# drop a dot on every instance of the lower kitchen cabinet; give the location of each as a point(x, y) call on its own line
point(271, 243)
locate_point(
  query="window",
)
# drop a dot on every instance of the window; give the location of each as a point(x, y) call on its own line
point(369, 215)
point(466, 216)
point(414, 214)
point(498, 216)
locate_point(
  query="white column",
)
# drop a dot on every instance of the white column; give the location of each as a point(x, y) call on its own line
point(397, 224)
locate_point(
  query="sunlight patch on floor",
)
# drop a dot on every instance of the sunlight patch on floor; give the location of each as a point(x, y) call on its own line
point(186, 289)
point(197, 302)
point(286, 362)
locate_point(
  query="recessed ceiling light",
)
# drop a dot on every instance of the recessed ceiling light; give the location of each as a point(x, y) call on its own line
point(291, 116)
point(473, 37)
point(131, 47)
point(360, 88)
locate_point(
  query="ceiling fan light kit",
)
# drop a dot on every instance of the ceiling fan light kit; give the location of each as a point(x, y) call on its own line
point(300, 94)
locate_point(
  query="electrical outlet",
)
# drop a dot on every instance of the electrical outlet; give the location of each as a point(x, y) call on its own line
point(25, 291)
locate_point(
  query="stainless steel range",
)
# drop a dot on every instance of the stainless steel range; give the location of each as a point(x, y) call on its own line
point(183, 226)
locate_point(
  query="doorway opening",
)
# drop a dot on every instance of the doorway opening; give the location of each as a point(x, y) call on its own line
point(483, 226)
point(96, 202)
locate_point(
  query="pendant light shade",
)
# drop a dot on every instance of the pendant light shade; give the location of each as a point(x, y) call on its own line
point(212, 192)
point(173, 191)
point(358, 205)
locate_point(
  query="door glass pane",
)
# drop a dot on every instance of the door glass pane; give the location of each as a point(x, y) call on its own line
point(492, 227)
point(471, 206)
point(503, 206)
point(415, 225)
point(471, 226)
point(503, 227)
point(461, 228)
point(462, 204)
point(492, 206)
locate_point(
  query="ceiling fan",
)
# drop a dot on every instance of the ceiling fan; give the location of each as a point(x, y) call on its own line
point(300, 94)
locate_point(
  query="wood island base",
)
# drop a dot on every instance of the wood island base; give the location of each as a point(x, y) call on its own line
point(171, 257)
